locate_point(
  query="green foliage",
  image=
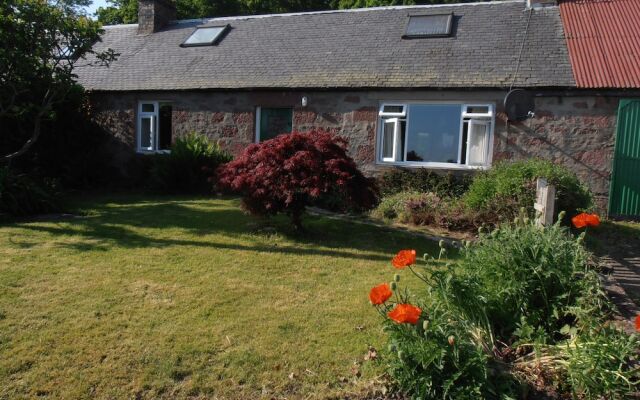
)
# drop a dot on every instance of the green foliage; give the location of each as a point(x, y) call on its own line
point(379, 3)
point(21, 195)
point(423, 180)
point(517, 181)
point(41, 43)
point(187, 168)
point(126, 11)
point(393, 207)
point(522, 306)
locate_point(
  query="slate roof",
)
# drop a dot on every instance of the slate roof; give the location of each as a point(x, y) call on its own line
point(344, 49)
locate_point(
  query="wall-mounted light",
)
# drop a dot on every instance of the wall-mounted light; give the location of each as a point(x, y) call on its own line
point(304, 101)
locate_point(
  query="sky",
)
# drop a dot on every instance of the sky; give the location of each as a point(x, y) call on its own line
point(96, 4)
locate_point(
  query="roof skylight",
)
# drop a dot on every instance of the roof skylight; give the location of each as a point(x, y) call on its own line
point(420, 26)
point(205, 36)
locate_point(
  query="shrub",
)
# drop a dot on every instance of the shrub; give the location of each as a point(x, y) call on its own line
point(423, 180)
point(522, 308)
point(21, 196)
point(289, 172)
point(189, 165)
point(71, 149)
point(433, 210)
point(393, 206)
point(517, 181)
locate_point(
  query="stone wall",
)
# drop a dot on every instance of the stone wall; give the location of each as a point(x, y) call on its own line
point(577, 131)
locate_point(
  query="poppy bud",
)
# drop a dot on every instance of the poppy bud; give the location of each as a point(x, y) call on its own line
point(425, 325)
point(561, 215)
point(401, 355)
point(452, 340)
point(394, 286)
point(396, 277)
point(441, 244)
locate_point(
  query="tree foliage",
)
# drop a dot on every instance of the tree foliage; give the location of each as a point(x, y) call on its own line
point(126, 11)
point(41, 42)
point(289, 172)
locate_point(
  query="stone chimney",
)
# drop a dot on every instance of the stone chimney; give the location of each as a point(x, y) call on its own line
point(154, 15)
point(541, 3)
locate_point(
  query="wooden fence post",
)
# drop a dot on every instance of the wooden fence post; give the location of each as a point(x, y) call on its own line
point(545, 202)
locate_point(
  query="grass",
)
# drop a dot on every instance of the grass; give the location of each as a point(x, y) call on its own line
point(188, 298)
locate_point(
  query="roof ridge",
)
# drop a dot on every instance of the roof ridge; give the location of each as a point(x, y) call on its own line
point(349, 10)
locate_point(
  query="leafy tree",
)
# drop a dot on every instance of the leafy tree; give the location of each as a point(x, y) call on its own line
point(342, 4)
point(289, 172)
point(41, 42)
point(126, 11)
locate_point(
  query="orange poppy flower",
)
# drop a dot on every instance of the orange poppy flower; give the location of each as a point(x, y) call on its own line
point(583, 220)
point(638, 322)
point(404, 258)
point(380, 294)
point(405, 313)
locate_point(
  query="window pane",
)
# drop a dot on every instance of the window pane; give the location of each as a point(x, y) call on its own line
point(274, 121)
point(393, 109)
point(433, 133)
point(478, 143)
point(148, 107)
point(477, 109)
point(387, 139)
point(164, 123)
point(204, 35)
point(429, 25)
point(146, 132)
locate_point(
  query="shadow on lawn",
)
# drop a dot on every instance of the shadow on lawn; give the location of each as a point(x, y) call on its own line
point(120, 225)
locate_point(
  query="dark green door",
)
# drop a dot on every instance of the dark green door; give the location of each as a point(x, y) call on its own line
point(624, 199)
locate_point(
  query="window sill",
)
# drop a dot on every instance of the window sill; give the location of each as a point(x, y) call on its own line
point(151, 152)
point(442, 166)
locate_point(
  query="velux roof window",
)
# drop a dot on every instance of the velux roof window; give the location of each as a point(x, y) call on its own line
point(206, 36)
point(423, 26)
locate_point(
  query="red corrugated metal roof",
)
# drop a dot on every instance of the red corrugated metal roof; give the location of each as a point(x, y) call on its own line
point(603, 37)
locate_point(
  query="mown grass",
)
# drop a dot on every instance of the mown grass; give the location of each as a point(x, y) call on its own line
point(184, 297)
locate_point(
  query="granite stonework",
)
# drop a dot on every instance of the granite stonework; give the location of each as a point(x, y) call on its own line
point(577, 131)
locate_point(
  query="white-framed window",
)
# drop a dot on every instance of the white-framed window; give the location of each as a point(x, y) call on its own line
point(273, 121)
point(437, 135)
point(154, 126)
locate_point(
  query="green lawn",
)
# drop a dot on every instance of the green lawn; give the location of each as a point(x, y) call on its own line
point(183, 297)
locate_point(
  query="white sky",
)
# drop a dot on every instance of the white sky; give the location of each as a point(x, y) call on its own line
point(96, 4)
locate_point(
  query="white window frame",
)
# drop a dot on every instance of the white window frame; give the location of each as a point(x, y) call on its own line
point(402, 113)
point(396, 140)
point(488, 118)
point(259, 115)
point(154, 116)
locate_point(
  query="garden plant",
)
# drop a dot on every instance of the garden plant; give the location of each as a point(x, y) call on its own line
point(521, 314)
point(290, 172)
point(488, 199)
point(188, 166)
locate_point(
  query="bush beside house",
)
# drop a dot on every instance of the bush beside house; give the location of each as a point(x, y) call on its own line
point(188, 167)
point(290, 172)
point(489, 198)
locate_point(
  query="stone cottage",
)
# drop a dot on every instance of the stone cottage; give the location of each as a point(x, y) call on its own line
point(410, 86)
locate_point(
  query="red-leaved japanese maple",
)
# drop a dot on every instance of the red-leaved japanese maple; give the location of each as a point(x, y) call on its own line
point(291, 171)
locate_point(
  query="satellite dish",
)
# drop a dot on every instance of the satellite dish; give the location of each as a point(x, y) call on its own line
point(519, 105)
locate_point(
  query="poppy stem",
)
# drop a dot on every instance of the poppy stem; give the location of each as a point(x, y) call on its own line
point(422, 278)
